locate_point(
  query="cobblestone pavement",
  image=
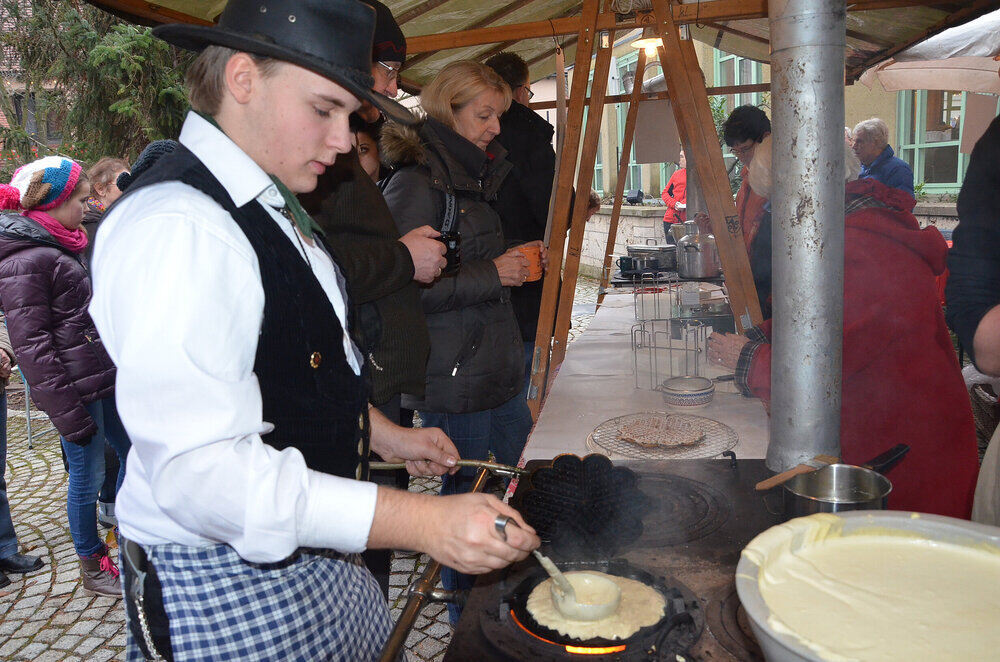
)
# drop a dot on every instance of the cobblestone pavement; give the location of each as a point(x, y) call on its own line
point(46, 616)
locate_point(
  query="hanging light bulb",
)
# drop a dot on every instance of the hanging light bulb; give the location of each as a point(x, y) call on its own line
point(649, 40)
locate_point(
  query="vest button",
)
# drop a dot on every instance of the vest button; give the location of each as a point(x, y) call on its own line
point(357, 472)
point(315, 359)
point(361, 421)
point(361, 447)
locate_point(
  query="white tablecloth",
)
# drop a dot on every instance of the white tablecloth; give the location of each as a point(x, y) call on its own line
point(596, 383)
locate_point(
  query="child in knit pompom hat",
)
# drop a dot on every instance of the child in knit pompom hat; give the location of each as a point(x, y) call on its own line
point(50, 192)
point(45, 292)
point(41, 185)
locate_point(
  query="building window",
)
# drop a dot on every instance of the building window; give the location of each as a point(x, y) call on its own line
point(734, 70)
point(627, 72)
point(929, 135)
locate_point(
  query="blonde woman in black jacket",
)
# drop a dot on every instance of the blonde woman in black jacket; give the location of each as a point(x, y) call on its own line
point(476, 365)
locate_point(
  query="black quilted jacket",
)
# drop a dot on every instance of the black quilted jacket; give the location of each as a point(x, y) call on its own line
point(44, 292)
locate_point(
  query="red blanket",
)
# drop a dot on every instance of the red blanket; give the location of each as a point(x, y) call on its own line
point(902, 382)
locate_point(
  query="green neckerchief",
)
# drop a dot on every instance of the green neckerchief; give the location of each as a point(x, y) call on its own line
point(303, 221)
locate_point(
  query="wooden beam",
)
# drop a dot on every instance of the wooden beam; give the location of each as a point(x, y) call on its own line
point(584, 184)
point(701, 145)
point(147, 11)
point(419, 10)
point(972, 10)
point(561, 206)
point(492, 17)
point(616, 210)
point(874, 40)
point(700, 12)
point(737, 33)
point(552, 51)
point(656, 96)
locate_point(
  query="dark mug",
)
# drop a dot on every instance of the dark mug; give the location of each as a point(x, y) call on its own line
point(452, 242)
point(626, 263)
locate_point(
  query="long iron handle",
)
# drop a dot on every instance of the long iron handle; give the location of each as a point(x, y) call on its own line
point(502, 469)
point(419, 594)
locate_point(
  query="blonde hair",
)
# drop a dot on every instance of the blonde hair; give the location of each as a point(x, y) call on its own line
point(206, 77)
point(104, 171)
point(458, 84)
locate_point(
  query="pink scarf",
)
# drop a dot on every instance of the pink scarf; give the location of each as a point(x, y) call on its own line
point(74, 240)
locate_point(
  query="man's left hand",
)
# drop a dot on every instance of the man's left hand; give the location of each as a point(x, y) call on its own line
point(724, 349)
point(426, 451)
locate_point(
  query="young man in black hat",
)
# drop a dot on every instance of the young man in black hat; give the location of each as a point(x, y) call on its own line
point(241, 514)
point(382, 268)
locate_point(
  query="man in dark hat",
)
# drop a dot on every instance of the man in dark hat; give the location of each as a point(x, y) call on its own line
point(238, 381)
point(382, 269)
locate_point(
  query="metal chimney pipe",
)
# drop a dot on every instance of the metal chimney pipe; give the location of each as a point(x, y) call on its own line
point(807, 101)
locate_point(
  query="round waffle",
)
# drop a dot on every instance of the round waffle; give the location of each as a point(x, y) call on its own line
point(661, 432)
point(671, 437)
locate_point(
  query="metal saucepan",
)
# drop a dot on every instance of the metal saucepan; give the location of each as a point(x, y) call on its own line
point(642, 264)
point(839, 487)
point(666, 254)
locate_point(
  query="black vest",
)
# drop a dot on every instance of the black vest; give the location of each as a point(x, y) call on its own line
point(315, 401)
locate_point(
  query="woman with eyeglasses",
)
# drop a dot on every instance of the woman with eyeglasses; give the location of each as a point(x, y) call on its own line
point(745, 128)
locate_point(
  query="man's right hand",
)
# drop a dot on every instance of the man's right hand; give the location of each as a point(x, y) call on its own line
point(5, 365)
point(459, 530)
point(426, 252)
point(461, 534)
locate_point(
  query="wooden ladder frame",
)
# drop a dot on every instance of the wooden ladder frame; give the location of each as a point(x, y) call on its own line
point(693, 115)
point(552, 316)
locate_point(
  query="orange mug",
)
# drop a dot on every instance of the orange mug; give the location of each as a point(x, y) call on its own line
point(534, 254)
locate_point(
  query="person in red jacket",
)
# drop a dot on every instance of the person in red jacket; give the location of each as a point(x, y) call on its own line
point(901, 378)
point(675, 195)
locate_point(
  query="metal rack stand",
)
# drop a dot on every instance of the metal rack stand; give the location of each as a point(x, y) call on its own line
point(663, 348)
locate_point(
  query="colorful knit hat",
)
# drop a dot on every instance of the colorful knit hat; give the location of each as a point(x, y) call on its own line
point(43, 184)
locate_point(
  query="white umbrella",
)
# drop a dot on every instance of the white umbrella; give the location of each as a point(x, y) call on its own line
point(963, 58)
point(965, 74)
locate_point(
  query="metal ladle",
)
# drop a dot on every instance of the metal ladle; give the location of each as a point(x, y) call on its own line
point(564, 594)
point(563, 591)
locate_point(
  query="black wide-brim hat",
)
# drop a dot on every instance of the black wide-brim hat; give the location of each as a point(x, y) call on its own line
point(332, 38)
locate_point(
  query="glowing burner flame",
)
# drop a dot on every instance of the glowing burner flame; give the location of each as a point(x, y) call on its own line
point(576, 650)
point(582, 650)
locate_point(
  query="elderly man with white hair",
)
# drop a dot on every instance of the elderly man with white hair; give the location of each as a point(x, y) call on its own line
point(878, 160)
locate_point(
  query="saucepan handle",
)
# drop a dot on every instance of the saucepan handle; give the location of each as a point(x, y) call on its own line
point(885, 461)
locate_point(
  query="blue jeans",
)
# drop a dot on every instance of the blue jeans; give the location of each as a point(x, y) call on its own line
point(86, 473)
point(503, 430)
point(8, 539)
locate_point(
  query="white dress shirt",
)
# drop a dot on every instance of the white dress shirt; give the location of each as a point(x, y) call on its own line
point(178, 302)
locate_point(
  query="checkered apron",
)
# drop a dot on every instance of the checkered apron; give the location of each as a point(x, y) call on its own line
point(316, 606)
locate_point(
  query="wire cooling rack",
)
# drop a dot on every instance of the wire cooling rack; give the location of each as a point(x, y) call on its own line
point(607, 438)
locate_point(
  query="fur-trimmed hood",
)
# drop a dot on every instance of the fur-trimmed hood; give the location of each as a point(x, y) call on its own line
point(454, 162)
point(400, 145)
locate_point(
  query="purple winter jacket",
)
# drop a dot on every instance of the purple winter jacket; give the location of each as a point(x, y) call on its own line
point(44, 292)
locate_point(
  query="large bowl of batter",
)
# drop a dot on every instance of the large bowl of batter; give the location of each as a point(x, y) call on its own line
point(876, 586)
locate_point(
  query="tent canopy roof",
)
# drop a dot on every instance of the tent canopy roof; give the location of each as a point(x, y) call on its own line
point(876, 29)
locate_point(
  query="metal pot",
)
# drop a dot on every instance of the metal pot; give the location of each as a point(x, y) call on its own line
point(677, 232)
point(664, 253)
point(697, 254)
point(643, 264)
point(839, 487)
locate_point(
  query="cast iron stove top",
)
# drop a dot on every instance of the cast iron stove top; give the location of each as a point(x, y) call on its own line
point(701, 514)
